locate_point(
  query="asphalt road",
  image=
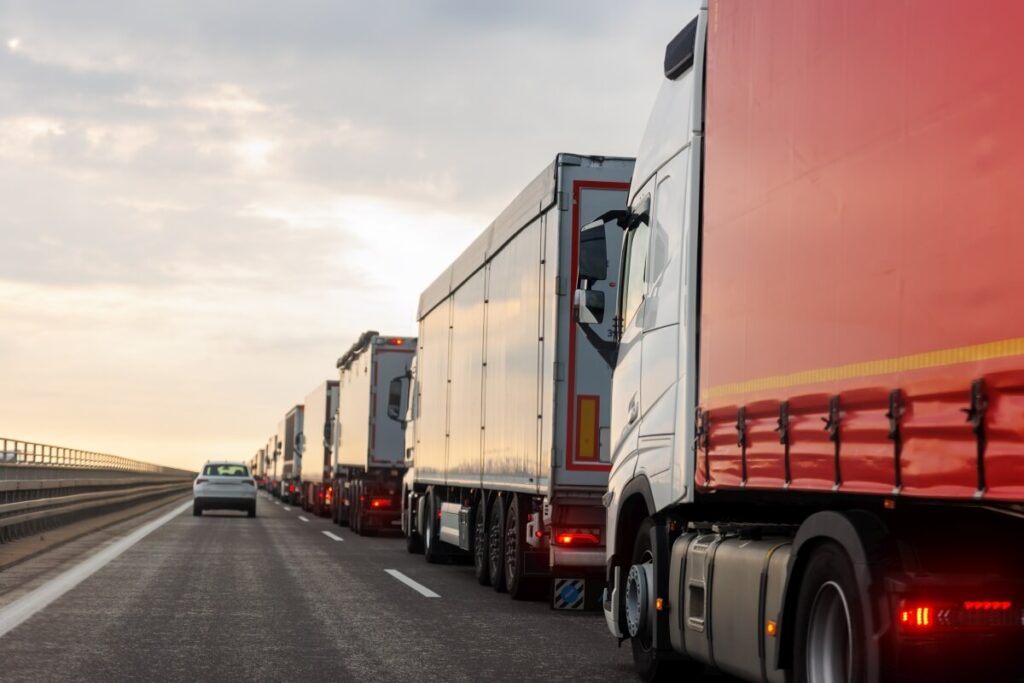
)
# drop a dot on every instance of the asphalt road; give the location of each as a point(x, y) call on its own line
point(227, 598)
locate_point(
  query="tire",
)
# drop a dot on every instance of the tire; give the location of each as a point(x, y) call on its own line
point(519, 587)
point(252, 510)
point(355, 517)
point(480, 565)
point(830, 621)
point(496, 545)
point(650, 663)
point(413, 541)
point(431, 552)
point(197, 511)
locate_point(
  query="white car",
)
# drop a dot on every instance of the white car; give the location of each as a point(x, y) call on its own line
point(224, 485)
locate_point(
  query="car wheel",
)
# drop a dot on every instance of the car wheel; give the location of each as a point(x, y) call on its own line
point(197, 511)
point(480, 548)
point(496, 545)
point(252, 509)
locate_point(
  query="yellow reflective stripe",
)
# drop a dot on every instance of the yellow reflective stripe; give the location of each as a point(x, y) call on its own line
point(886, 366)
point(587, 449)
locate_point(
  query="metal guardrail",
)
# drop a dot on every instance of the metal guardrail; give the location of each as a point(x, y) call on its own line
point(43, 487)
point(16, 452)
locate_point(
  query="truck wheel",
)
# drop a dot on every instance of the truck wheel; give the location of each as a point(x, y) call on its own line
point(430, 542)
point(830, 637)
point(413, 540)
point(480, 547)
point(651, 663)
point(496, 545)
point(519, 587)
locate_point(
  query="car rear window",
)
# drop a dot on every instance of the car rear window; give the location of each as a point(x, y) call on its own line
point(226, 471)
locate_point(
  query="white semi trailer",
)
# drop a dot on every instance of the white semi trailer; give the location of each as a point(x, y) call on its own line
point(292, 441)
point(511, 395)
point(369, 447)
point(318, 415)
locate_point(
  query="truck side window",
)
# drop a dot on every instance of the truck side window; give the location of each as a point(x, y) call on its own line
point(635, 275)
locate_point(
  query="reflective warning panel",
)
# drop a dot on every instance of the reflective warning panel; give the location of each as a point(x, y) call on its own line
point(569, 593)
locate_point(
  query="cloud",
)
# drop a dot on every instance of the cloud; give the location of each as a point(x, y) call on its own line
point(204, 206)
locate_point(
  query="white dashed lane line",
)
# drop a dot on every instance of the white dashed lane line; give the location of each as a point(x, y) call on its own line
point(331, 536)
point(303, 518)
point(287, 509)
point(418, 587)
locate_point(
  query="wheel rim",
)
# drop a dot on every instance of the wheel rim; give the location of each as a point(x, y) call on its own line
point(494, 544)
point(829, 637)
point(511, 544)
point(428, 540)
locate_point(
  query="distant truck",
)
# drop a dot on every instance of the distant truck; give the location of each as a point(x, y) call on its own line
point(818, 402)
point(292, 442)
point(318, 416)
point(510, 402)
point(369, 450)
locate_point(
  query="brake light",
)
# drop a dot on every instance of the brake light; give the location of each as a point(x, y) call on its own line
point(921, 616)
point(378, 503)
point(396, 341)
point(577, 537)
point(987, 605)
point(200, 480)
point(291, 488)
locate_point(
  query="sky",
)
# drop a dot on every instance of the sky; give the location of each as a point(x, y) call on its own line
point(203, 204)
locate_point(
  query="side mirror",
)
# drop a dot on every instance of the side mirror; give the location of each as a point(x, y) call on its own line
point(593, 263)
point(588, 306)
point(396, 398)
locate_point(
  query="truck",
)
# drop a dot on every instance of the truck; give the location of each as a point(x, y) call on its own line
point(817, 427)
point(273, 451)
point(510, 402)
point(292, 441)
point(369, 447)
point(320, 407)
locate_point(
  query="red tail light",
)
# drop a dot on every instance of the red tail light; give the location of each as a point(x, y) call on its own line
point(577, 537)
point(291, 488)
point(925, 617)
point(380, 503)
point(200, 480)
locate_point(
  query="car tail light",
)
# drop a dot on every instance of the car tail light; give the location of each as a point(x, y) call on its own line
point(926, 617)
point(291, 488)
point(200, 480)
point(380, 503)
point(577, 537)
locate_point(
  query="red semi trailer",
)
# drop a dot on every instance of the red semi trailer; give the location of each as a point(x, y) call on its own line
point(818, 401)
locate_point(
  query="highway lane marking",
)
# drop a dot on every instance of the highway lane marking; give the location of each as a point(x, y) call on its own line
point(418, 587)
point(335, 537)
point(287, 509)
point(28, 605)
point(303, 518)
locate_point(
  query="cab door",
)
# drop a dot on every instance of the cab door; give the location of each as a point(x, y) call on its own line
point(630, 317)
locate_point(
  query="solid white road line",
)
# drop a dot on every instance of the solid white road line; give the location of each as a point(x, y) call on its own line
point(328, 534)
point(303, 518)
point(287, 509)
point(31, 603)
point(418, 587)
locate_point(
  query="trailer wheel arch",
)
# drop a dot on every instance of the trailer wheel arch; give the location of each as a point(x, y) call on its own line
point(861, 535)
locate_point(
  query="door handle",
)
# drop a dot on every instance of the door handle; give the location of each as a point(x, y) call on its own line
point(633, 413)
